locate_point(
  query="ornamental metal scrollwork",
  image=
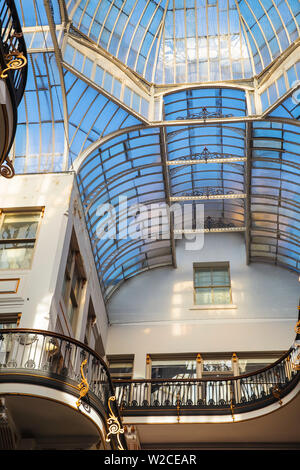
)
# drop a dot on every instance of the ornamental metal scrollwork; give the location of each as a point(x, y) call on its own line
point(83, 386)
point(16, 60)
point(211, 222)
point(209, 191)
point(7, 169)
point(114, 426)
point(205, 155)
point(204, 114)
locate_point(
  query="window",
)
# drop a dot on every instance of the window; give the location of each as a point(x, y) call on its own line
point(212, 284)
point(121, 367)
point(7, 321)
point(252, 364)
point(17, 239)
point(216, 367)
point(91, 319)
point(74, 280)
point(173, 369)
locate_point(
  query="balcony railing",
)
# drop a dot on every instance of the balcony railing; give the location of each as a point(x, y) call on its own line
point(13, 67)
point(50, 359)
point(210, 395)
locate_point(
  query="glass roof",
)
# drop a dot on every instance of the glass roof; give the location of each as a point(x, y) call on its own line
point(275, 193)
point(128, 166)
point(234, 145)
point(177, 41)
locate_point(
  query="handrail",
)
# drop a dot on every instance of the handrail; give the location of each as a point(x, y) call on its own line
point(54, 334)
point(211, 379)
point(49, 358)
point(211, 395)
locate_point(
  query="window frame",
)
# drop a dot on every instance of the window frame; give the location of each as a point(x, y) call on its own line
point(202, 357)
point(10, 318)
point(119, 359)
point(73, 263)
point(210, 266)
point(22, 211)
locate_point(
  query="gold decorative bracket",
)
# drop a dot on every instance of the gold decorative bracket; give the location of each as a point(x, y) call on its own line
point(83, 386)
point(15, 60)
point(114, 427)
point(178, 407)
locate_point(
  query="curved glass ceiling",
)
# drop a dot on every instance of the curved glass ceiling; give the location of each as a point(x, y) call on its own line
point(177, 41)
point(234, 146)
point(275, 194)
point(128, 166)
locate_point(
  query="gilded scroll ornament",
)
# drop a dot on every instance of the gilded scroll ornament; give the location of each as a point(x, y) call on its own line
point(114, 426)
point(15, 60)
point(83, 386)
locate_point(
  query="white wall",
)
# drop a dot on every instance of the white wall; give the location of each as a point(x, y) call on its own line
point(153, 313)
point(38, 297)
point(34, 295)
point(76, 222)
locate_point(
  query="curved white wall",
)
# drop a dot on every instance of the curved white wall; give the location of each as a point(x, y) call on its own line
point(153, 312)
point(258, 290)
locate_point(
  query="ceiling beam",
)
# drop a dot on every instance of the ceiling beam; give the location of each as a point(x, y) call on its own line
point(164, 160)
point(248, 171)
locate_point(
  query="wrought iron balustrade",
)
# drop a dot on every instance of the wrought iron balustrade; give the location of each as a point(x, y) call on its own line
point(214, 395)
point(50, 359)
point(13, 57)
point(13, 69)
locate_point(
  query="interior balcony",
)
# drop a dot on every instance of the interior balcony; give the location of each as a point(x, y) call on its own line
point(13, 75)
point(56, 393)
point(258, 410)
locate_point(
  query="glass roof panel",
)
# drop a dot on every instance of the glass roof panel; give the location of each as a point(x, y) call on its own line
point(64, 114)
point(33, 13)
point(39, 143)
point(208, 160)
point(128, 166)
point(91, 115)
point(289, 108)
point(275, 194)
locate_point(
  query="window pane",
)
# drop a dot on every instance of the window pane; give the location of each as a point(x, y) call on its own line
point(216, 365)
point(18, 226)
point(203, 296)
point(202, 277)
point(173, 369)
point(16, 255)
point(221, 295)
point(220, 277)
point(122, 370)
point(76, 283)
point(71, 310)
point(251, 365)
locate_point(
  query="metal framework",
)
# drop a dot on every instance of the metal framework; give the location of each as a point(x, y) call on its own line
point(113, 93)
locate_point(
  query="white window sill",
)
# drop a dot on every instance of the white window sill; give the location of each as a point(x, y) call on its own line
point(213, 307)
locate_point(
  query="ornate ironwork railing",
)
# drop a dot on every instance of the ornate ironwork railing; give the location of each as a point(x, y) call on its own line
point(47, 358)
point(13, 67)
point(228, 395)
